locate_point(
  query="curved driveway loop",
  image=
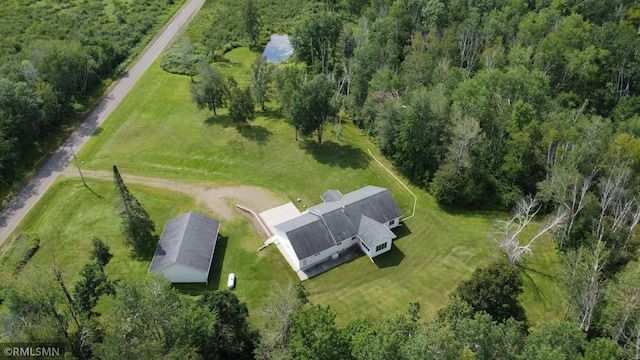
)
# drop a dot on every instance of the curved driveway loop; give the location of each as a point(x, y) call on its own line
point(30, 193)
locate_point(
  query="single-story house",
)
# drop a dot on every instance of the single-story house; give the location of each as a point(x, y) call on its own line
point(185, 251)
point(362, 217)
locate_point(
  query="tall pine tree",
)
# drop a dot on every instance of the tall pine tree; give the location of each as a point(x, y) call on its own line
point(137, 226)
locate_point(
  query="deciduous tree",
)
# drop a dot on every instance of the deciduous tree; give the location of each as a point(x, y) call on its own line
point(241, 105)
point(277, 310)
point(312, 106)
point(261, 74)
point(495, 290)
point(523, 214)
point(315, 40)
point(233, 339)
point(314, 335)
point(211, 91)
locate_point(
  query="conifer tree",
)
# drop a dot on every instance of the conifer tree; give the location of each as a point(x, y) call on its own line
point(137, 226)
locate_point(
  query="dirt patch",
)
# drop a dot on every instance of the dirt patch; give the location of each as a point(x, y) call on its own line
point(221, 200)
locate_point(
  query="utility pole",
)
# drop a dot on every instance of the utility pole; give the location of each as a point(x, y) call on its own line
point(78, 165)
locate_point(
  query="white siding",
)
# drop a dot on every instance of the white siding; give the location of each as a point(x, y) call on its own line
point(286, 244)
point(365, 248)
point(326, 254)
point(178, 273)
point(375, 253)
point(393, 223)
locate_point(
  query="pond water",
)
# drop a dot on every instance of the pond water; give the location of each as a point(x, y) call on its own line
point(278, 49)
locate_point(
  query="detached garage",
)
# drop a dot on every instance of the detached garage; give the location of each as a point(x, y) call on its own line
point(185, 251)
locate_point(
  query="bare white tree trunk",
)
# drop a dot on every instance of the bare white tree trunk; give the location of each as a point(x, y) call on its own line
point(590, 294)
point(583, 268)
point(525, 211)
point(470, 45)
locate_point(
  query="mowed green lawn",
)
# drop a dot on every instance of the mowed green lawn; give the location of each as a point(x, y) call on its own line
point(158, 132)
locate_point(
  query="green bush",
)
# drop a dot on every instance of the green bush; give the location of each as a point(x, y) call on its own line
point(23, 249)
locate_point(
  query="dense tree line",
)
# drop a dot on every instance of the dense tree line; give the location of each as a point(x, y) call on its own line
point(477, 101)
point(481, 103)
point(150, 319)
point(52, 55)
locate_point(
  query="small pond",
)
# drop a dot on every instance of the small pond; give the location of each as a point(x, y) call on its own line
point(278, 49)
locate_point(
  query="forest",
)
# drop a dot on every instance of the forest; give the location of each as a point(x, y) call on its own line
point(56, 58)
point(530, 106)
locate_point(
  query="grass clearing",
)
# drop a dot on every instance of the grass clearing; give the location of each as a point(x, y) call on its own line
point(158, 132)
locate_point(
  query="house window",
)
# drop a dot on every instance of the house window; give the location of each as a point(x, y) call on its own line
point(365, 246)
point(392, 222)
point(381, 247)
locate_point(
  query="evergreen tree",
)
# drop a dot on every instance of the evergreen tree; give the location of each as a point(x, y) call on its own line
point(251, 21)
point(137, 226)
point(89, 288)
point(100, 253)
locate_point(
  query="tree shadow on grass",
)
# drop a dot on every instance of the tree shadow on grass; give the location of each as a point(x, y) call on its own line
point(538, 294)
point(148, 253)
point(256, 133)
point(334, 154)
point(271, 114)
point(222, 120)
point(97, 132)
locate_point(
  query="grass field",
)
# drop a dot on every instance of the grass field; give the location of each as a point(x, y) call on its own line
point(158, 132)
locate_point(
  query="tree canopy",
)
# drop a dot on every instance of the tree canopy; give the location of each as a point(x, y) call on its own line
point(312, 106)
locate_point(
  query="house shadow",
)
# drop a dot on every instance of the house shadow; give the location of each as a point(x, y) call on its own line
point(257, 133)
point(401, 231)
point(345, 156)
point(215, 273)
point(389, 259)
point(394, 256)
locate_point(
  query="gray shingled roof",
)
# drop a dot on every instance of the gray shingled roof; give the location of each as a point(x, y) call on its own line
point(331, 195)
point(190, 240)
point(308, 235)
point(336, 220)
point(343, 216)
point(373, 233)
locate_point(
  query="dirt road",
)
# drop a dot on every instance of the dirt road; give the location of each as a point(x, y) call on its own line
point(24, 200)
point(220, 200)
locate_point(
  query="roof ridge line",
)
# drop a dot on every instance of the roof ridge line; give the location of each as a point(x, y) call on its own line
point(325, 225)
